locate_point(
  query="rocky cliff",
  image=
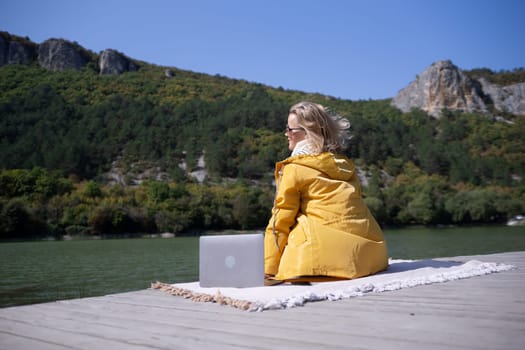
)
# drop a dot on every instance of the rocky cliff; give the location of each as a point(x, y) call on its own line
point(60, 54)
point(16, 51)
point(113, 62)
point(510, 98)
point(444, 86)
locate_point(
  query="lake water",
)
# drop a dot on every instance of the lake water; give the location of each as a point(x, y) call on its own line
point(34, 272)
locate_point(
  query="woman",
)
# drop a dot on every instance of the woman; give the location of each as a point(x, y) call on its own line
point(320, 228)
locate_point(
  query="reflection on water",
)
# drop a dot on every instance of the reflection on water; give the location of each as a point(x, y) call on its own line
point(33, 272)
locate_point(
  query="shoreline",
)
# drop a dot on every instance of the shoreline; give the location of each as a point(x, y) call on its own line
point(197, 233)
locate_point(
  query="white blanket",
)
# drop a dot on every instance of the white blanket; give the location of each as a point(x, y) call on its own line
point(400, 274)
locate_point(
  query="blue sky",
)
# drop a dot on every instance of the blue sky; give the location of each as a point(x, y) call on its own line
point(343, 48)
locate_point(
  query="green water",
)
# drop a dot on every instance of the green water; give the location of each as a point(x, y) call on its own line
point(34, 272)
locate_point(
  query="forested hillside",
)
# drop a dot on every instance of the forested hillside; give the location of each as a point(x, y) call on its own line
point(62, 133)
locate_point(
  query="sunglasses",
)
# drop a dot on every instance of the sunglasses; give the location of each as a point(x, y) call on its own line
point(288, 129)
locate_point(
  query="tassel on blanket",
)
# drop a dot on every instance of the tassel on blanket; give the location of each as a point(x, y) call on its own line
point(188, 294)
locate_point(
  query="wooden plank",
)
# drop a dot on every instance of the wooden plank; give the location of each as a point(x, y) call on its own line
point(486, 312)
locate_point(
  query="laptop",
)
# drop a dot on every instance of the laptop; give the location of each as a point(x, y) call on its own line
point(231, 260)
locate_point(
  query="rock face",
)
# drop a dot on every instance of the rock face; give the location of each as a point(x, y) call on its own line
point(442, 85)
point(59, 55)
point(4, 47)
point(510, 98)
point(16, 52)
point(445, 86)
point(113, 62)
point(20, 53)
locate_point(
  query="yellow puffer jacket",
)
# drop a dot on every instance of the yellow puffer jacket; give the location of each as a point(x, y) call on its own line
point(320, 225)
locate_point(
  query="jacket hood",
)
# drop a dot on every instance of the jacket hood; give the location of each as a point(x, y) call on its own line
point(336, 166)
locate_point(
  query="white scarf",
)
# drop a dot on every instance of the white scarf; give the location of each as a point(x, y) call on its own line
point(302, 147)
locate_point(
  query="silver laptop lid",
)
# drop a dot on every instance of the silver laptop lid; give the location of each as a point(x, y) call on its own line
point(231, 260)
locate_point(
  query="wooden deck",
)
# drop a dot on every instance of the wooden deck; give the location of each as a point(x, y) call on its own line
point(486, 312)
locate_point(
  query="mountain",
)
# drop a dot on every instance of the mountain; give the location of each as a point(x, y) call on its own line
point(441, 86)
point(125, 118)
point(106, 143)
point(444, 86)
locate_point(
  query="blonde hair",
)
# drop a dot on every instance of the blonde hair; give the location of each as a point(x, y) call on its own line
point(325, 131)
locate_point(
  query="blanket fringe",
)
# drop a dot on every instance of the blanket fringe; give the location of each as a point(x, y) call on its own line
point(202, 297)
